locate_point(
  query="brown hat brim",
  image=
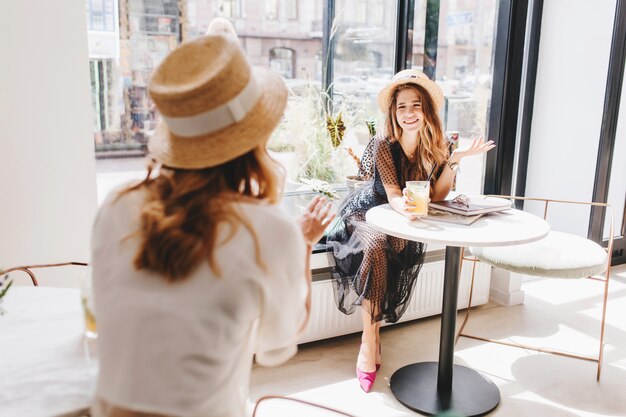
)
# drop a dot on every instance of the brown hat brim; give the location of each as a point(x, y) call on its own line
point(436, 94)
point(230, 142)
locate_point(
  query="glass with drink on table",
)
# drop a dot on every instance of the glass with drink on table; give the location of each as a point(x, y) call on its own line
point(86, 295)
point(418, 193)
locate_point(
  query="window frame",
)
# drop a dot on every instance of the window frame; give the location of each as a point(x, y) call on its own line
point(292, 9)
point(267, 5)
point(291, 58)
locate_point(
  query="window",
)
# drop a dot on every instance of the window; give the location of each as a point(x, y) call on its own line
point(369, 11)
point(360, 11)
point(364, 56)
point(292, 9)
point(228, 8)
point(101, 15)
point(271, 9)
point(282, 60)
point(377, 15)
point(104, 99)
point(124, 115)
point(463, 69)
point(287, 36)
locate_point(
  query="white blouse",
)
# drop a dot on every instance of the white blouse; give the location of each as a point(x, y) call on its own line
point(186, 348)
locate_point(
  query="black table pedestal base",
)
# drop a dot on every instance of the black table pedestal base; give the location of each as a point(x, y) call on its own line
point(472, 394)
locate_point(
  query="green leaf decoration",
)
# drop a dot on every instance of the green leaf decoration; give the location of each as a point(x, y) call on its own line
point(4, 291)
point(371, 127)
point(336, 129)
point(321, 187)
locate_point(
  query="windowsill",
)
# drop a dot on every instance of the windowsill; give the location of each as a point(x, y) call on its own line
point(113, 173)
point(321, 261)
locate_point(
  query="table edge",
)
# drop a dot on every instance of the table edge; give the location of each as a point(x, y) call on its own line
point(458, 243)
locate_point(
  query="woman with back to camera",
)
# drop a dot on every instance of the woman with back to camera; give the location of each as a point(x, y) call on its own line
point(195, 268)
point(374, 270)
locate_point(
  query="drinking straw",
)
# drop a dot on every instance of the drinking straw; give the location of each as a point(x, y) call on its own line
point(431, 173)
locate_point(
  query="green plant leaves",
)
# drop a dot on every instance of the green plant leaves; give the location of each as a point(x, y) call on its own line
point(336, 129)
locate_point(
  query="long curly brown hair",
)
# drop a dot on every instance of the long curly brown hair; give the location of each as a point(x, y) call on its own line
point(184, 210)
point(432, 149)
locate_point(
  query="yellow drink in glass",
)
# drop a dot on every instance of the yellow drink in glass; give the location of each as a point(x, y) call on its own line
point(418, 192)
point(86, 297)
point(91, 331)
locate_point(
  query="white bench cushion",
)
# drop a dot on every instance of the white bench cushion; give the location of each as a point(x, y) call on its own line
point(558, 255)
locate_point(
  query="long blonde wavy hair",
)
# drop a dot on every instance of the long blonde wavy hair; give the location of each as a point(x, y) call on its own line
point(432, 149)
point(184, 210)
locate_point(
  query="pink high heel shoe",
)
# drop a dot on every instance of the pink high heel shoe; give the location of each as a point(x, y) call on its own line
point(366, 379)
point(380, 353)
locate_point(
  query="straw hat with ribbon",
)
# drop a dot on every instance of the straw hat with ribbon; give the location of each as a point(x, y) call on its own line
point(214, 106)
point(410, 76)
point(221, 26)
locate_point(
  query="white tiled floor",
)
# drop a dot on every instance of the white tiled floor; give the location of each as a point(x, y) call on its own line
point(556, 313)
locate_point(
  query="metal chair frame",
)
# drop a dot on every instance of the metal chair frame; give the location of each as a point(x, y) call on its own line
point(605, 280)
point(31, 274)
point(280, 397)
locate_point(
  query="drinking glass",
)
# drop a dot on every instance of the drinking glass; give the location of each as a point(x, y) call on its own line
point(86, 297)
point(418, 191)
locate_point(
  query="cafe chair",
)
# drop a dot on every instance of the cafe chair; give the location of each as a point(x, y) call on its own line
point(300, 406)
point(306, 408)
point(31, 274)
point(558, 255)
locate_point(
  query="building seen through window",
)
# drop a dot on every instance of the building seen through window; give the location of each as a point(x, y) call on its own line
point(129, 38)
point(282, 61)
point(228, 8)
point(101, 15)
point(271, 9)
point(291, 9)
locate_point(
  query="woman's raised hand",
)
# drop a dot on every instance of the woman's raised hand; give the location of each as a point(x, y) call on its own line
point(478, 146)
point(315, 220)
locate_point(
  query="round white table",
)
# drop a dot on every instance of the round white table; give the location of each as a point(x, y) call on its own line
point(429, 387)
point(48, 367)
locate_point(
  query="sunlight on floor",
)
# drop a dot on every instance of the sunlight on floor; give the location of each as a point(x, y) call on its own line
point(374, 404)
point(530, 383)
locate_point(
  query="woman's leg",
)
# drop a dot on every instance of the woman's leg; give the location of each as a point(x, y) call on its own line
point(374, 262)
point(379, 359)
point(372, 286)
point(366, 360)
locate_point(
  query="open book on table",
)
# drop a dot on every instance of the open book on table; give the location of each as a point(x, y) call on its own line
point(447, 217)
point(471, 206)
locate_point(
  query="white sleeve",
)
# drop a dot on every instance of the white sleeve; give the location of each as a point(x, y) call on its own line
point(283, 297)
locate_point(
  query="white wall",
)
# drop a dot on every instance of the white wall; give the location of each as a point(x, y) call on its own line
point(47, 166)
point(571, 80)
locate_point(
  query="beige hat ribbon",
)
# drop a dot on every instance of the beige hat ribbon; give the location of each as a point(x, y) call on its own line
point(218, 118)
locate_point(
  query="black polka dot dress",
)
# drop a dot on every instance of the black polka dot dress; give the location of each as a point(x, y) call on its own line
point(370, 265)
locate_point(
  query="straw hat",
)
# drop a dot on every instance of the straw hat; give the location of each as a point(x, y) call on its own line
point(221, 26)
point(411, 76)
point(214, 106)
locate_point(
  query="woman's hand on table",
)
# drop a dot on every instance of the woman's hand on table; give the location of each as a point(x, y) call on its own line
point(314, 221)
point(405, 205)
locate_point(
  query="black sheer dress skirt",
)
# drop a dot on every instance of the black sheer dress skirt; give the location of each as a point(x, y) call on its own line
point(370, 265)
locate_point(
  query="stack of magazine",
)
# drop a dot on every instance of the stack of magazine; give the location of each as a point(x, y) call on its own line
point(465, 210)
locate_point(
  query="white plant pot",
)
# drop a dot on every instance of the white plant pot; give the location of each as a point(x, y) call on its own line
point(353, 183)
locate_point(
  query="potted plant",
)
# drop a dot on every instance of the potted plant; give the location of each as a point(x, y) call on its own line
point(5, 284)
point(314, 138)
